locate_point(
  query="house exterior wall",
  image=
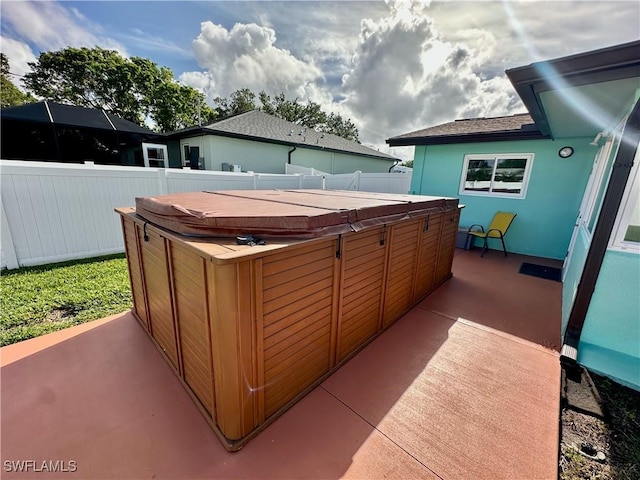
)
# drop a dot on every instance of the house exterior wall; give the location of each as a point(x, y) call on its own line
point(546, 215)
point(609, 343)
point(336, 163)
point(263, 157)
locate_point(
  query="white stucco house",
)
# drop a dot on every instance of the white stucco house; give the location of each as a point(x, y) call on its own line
point(262, 143)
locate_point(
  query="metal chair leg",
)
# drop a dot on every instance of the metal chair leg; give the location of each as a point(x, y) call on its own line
point(503, 246)
point(485, 247)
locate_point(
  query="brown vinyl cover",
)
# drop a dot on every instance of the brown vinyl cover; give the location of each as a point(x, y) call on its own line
point(300, 213)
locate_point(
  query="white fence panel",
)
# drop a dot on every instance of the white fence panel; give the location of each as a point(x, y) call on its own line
point(58, 212)
point(343, 181)
point(267, 181)
point(313, 182)
point(198, 180)
point(385, 182)
point(53, 212)
point(293, 169)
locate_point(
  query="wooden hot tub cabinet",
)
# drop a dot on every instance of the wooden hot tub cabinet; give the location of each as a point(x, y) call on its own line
point(250, 329)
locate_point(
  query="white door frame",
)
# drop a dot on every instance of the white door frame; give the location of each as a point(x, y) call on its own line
point(588, 204)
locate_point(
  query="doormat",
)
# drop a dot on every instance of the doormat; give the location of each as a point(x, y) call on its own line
point(541, 271)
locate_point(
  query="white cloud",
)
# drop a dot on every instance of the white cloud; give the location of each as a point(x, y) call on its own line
point(51, 26)
point(19, 54)
point(246, 56)
point(154, 42)
point(405, 75)
point(414, 64)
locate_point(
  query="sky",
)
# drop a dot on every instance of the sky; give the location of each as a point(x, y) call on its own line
point(391, 67)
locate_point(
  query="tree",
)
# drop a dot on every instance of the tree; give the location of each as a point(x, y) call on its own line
point(310, 115)
point(10, 95)
point(132, 88)
point(240, 101)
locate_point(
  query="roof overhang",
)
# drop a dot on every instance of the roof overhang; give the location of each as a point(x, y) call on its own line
point(525, 134)
point(582, 94)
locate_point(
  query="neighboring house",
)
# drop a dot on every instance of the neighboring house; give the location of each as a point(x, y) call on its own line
point(259, 142)
point(569, 169)
point(54, 132)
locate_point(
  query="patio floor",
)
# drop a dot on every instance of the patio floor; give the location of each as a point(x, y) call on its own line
point(460, 387)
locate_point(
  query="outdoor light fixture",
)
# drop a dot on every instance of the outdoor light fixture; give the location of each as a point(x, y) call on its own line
point(565, 152)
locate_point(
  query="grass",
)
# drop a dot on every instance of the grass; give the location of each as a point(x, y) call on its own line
point(618, 436)
point(39, 300)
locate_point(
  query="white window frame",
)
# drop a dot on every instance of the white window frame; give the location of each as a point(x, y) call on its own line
point(497, 156)
point(630, 199)
point(155, 146)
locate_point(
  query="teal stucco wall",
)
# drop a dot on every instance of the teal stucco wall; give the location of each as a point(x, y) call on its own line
point(546, 215)
point(610, 340)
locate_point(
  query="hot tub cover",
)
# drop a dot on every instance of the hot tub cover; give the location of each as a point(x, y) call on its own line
point(297, 213)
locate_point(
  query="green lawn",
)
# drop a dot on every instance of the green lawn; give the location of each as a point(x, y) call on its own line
point(39, 300)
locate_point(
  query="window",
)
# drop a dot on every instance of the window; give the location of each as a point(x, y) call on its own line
point(501, 175)
point(154, 155)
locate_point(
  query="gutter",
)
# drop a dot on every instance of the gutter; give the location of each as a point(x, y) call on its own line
point(289, 154)
point(602, 233)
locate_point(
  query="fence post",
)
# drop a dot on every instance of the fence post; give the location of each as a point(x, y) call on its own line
point(163, 184)
point(8, 248)
point(357, 175)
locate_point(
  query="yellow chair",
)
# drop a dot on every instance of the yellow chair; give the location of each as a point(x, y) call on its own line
point(497, 229)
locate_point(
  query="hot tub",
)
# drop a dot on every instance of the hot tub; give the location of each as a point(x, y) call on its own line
point(250, 329)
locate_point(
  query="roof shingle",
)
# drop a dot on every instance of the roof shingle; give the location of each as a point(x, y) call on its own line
point(260, 126)
point(513, 127)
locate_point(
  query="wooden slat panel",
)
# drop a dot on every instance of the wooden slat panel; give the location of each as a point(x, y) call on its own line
point(291, 382)
point(156, 276)
point(298, 304)
point(135, 274)
point(362, 274)
point(306, 314)
point(286, 354)
point(364, 239)
point(403, 254)
point(310, 290)
point(285, 288)
point(298, 272)
point(356, 337)
point(363, 281)
point(447, 245)
point(359, 299)
point(191, 314)
point(281, 262)
point(294, 331)
point(298, 289)
point(365, 256)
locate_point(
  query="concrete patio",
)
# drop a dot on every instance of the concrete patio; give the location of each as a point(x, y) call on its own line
point(466, 385)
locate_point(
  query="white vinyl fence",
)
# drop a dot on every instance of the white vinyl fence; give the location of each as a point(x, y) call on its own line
point(52, 212)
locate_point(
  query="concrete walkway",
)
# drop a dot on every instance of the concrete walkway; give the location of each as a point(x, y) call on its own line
point(460, 387)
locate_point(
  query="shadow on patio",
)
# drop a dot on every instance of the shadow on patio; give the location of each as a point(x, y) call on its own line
point(458, 388)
